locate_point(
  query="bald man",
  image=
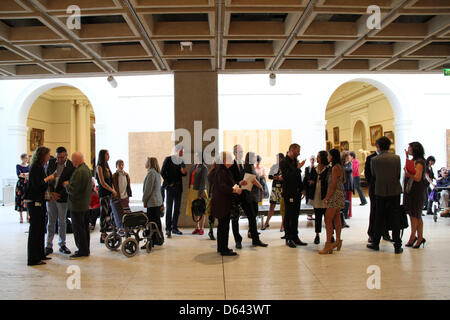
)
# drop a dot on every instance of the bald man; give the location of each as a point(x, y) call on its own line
point(79, 197)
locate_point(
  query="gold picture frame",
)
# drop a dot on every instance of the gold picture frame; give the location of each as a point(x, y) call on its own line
point(390, 135)
point(344, 146)
point(376, 132)
point(336, 136)
point(36, 138)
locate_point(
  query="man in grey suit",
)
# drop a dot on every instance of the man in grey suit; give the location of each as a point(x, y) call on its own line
point(386, 170)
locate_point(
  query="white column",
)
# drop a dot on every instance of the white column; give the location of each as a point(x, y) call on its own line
point(17, 142)
point(82, 129)
point(402, 131)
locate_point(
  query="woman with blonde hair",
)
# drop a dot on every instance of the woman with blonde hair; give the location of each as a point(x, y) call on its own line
point(152, 197)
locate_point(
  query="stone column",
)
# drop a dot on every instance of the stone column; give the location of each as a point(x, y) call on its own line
point(82, 125)
point(402, 130)
point(196, 99)
point(17, 137)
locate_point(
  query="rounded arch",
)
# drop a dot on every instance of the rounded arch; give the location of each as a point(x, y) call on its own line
point(359, 136)
point(30, 94)
point(395, 97)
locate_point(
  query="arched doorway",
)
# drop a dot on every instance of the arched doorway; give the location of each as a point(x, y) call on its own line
point(357, 114)
point(62, 116)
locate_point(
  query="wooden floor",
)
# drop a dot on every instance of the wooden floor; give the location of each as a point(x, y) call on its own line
point(188, 267)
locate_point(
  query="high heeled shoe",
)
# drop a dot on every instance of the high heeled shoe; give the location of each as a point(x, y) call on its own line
point(411, 244)
point(338, 245)
point(420, 243)
point(328, 249)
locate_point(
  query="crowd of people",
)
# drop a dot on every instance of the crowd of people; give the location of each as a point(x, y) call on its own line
point(51, 188)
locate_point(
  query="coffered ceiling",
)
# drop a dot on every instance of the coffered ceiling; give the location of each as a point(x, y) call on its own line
point(144, 36)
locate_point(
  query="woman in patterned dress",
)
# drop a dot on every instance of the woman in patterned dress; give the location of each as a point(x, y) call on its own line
point(334, 201)
point(22, 171)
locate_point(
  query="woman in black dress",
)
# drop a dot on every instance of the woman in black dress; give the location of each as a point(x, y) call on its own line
point(22, 170)
point(414, 193)
point(35, 198)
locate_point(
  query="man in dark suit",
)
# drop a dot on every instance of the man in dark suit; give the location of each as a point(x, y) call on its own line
point(292, 194)
point(57, 206)
point(386, 169)
point(237, 170)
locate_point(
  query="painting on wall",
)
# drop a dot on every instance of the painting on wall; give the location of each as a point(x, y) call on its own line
point(326, 135)
point(336, 135)
point(376, 132)
point(36, 138)
point(329, 145)
point(390, 136)
point(345, 146)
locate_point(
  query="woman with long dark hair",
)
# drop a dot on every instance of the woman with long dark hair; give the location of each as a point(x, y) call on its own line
point(22, 170)
point(318, 191)
point(334, 201)
point(251, 199)
point(105, 191)
point(35, 198)
point(414, 194)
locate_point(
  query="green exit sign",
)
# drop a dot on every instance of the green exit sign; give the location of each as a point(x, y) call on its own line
point(447, 72)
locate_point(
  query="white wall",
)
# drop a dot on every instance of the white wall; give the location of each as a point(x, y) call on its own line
point(298, 102)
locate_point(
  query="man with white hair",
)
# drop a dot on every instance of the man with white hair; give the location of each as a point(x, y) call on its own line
point(79, 197)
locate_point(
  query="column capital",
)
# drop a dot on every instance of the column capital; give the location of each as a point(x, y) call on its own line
point(17, 130)
point(402, 124)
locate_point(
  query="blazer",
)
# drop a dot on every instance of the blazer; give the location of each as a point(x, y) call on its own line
point(292, 178)
point(171, 173)
point(222, 193)
point(386, 168)
point(368, 174)
point(311, 190)
point(237, 172)
point(152, 195)
point(79, 189)
point(36, 187)
point(200, 178)
point(348, 171)
point(115, 180)
point(65, 176)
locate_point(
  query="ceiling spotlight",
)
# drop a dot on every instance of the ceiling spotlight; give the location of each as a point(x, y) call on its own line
point(112, 82)
point(186, 44)
point(273, 79)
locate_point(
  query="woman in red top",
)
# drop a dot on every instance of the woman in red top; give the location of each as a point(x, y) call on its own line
point(198, 176)
point(357, 178)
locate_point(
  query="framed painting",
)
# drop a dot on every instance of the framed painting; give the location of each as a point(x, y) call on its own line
point(329, 145)
point(326, 135)
point(390, 136)
point(336, 135)
point(344, 146)
point(36, 138)
point(376, 132)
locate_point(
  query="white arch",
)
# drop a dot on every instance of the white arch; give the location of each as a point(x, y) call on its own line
point(30, 94)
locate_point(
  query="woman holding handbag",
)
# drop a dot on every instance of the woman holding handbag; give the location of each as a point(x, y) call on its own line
point(414, 194)
point(198, 176)
point(35, 198)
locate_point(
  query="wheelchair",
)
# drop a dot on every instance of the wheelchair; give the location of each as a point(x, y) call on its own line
point(435, 197)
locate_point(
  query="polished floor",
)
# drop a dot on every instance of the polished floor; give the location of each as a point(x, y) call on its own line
point(188, 267)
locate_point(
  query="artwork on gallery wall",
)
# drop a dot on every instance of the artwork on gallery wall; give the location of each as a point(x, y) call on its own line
point(390, 136)
point(376, 132)
point(326, 135)
point(329, 145)
point(345, 146)
point(36, 138)
point(336, 135)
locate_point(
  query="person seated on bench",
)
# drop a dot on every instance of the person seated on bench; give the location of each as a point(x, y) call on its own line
point(443, 182)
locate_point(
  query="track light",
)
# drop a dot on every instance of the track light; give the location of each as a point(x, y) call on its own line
point(186, 44)
point(112, 82)
point(273, 79)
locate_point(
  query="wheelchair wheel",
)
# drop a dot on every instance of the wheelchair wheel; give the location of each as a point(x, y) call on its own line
point(130, 247)
point(113, 241)
point(149, 245)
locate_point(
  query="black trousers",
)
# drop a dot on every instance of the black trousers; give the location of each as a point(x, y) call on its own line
point(223, 230)
point(173, 203)
point(36, 233)
point(154, 215)
point(371, 229)
point(292, 212)
point(318, 214)
point(80, 226)
point(387, 213)
point(251, 210)
point(93, 215)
